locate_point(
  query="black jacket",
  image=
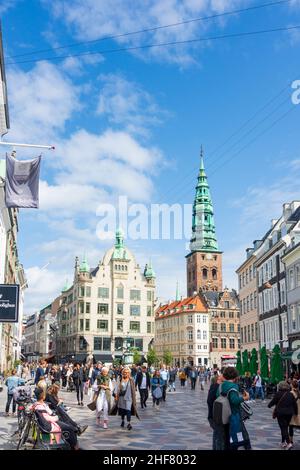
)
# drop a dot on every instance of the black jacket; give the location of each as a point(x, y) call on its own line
point(287, 405)
point(212, 395)
point(139, 379)
point(78, 376)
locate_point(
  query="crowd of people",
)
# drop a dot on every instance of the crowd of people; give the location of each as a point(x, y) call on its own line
point(114, 390)
point(230, 433)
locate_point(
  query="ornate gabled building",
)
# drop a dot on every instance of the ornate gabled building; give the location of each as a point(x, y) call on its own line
point(107, 308)
point(204, 262)
point(224, 314)
point(182, 327)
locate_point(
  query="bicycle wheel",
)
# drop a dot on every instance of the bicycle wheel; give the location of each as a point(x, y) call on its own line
point(21, 421)
point(24, 435)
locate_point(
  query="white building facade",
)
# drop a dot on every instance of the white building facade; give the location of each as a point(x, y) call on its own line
point(107, 306)
point(182, 328)
point(271, 278)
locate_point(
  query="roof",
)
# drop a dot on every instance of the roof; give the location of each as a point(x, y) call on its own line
point(295, 217)
point(177, 306)
point(93, 271)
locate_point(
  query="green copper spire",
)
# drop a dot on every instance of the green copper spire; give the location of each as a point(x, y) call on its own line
point(203, 226)
point(84, 267)
point(119, 251)
point(149, 271)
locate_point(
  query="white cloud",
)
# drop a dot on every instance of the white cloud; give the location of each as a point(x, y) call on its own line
point(41, 101)
point(43, 286)
point(126, 103)
point(70, 198)
point(114, 160)
point(90, 20)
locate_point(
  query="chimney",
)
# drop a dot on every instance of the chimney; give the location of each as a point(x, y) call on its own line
point(287, 210)
point(249, 252)
point(257, 244)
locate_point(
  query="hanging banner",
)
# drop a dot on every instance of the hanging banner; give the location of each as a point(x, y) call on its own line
point(22, 182)
point(9, 303)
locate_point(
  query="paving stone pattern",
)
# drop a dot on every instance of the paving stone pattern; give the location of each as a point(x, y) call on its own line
point(181, 424)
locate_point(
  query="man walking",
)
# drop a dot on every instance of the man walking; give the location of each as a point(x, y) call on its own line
point(164, 375)
point(259, 391)
point(193, 377)
point(172, 378)
point(143, 383)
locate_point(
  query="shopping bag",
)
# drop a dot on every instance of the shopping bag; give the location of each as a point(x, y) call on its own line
point(157, 393)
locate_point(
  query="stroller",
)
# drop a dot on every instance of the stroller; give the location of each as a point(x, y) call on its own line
point(70, 385)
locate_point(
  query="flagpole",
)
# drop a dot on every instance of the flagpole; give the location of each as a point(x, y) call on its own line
point(11, 144)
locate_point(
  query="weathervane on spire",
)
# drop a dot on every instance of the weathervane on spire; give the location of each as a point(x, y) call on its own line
point(201, 158)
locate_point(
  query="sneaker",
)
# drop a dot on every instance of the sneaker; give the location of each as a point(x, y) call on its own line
point(67, 408)
point(82, 403)
point(129, 427)
point(105, 425)
point(289, 446)
point(283, 445)
point(78, 403)
point(7, 414)
point(122, 424)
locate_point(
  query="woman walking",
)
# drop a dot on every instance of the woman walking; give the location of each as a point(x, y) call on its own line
point(125, 399)
point(157, 384)
point(103, 404)
point(78, 379)
point(295, 421)
point(286, 407)
point(182, 377)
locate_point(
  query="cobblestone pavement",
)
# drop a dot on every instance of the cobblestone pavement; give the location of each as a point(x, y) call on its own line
point(181, 424)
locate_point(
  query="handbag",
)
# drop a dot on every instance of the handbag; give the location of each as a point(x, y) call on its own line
point(274, 414)
point(93, 405)
point(246, 411)
point(157, 393)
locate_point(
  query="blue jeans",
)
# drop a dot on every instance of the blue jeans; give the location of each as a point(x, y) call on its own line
point(259, 391)
point(171, 386)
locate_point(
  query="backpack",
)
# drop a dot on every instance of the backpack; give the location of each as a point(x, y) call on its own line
point(222, 408)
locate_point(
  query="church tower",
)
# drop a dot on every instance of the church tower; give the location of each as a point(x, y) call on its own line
point(204, 262)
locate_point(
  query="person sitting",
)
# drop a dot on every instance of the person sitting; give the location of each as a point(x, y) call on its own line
point(56, 404)
point(56, 425)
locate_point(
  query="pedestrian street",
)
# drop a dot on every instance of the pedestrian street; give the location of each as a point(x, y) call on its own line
point(181, 424)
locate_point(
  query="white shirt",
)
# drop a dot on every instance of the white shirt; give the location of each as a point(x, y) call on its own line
point(144, 382)
point(258, 381)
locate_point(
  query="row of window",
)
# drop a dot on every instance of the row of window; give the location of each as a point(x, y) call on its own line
point(103, 309)
point(223, 314)
point(268, 270)
point(222, 343)
point(270, 331)
point(249, 333)
point(223, 328)
point(247, 276)
point(103, 292)
point(249, 303)
point(270, 298)
point(168, 322)
point(102, 325)
point(204, 274)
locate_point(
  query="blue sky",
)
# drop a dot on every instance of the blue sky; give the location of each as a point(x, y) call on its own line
point(131, 123)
